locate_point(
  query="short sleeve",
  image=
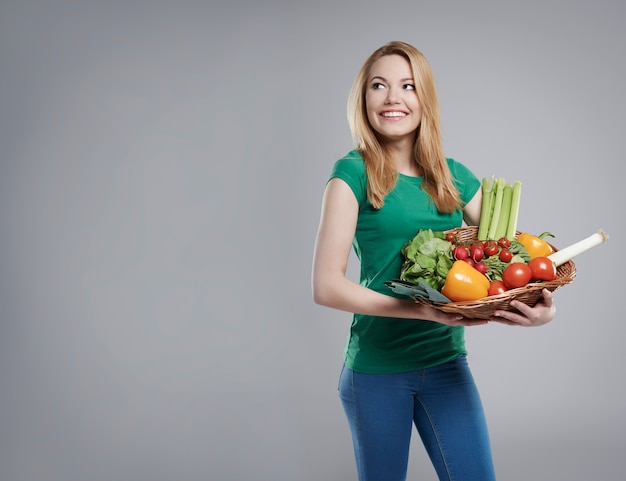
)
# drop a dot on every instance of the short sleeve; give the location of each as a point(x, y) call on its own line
point(465, 180)
point(351, 169)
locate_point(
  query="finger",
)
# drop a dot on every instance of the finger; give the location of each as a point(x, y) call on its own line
point(547, 297)
point(511, 318)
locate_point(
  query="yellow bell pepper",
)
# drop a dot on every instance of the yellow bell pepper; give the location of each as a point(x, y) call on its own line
point(465, 283)
point(535, 245)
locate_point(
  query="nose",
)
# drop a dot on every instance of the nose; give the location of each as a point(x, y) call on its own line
point(393, 96)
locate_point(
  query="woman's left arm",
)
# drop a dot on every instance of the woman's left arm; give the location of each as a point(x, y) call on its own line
point(471, 211)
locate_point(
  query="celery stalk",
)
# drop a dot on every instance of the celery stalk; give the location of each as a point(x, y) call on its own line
point(497, 207)
point(486, 208)
point(505, 211)
point(514, 214)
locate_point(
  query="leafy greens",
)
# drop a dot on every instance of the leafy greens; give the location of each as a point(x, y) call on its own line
point(427, 258)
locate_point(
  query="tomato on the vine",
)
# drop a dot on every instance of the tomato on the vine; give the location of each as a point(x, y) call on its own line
point(517, 274)
point(505, 255)
point(496, 287)
point(490, 247)
point(543, 269)
point(504, 242)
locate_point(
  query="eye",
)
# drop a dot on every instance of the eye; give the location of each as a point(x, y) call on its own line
point(377, 85)
point(409, 87)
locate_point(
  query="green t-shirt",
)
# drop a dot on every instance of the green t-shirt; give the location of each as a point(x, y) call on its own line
point(382, 344)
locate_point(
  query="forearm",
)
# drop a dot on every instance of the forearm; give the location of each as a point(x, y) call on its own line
point(346, 295)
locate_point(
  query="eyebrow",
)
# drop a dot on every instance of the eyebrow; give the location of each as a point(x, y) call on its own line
point(385, 80)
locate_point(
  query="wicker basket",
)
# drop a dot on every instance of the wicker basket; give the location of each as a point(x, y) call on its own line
point(484, 308)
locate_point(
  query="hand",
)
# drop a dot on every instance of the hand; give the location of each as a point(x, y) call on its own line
point(542, 313)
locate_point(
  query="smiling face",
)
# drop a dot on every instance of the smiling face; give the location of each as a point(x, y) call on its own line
point(393, 108)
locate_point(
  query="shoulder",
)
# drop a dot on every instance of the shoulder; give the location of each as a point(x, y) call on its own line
point(458, 169)
point(465, 180)
point(351, 169)
point(351, 163)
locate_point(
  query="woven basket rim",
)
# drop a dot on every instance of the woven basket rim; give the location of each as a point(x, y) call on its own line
point(529, 294)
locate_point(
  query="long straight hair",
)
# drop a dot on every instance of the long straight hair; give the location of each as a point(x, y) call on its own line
point(428, 152)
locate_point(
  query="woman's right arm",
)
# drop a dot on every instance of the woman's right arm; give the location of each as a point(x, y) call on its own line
point(331, 287)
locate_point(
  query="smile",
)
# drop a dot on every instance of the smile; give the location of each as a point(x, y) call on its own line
point(393, 114)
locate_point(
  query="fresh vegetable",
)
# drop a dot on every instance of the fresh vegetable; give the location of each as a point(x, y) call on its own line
point(511, 228)
point(427, 258)
point(476, 253)
point(496, 287)
point(491, 248)
point(460, 252)
point(486, 209)
point(505, 212)
point(481, 267)
point(505, 255)
point(542, 268)
point(497, 207)
point(562, 256)
point(464, 283)
point(500, 209)
point(516, 274)
point(536, 246)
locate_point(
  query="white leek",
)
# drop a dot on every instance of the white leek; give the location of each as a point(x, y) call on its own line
point(560, 257)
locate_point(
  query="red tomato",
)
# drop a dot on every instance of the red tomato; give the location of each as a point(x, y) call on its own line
point(451, 237)
point(543, 269)
point(490, 247)
point(504, 242)
point(517, 274)
point(496, 287)
point(505, 255)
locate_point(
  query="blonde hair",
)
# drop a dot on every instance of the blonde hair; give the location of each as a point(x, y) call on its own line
point(428, 149)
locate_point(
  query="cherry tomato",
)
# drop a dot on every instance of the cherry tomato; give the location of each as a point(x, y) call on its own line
point(481, 267)
point(496, 287)
point(504, 242)
point(450, 237)
point(517, 274)
point(460, 252)
point(505, 255)
point(490, 248)
point(543, 269)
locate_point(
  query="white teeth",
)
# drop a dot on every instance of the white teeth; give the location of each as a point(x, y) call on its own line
point(394, 114)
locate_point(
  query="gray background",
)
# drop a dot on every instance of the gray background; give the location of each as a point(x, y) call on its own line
point(162, 167)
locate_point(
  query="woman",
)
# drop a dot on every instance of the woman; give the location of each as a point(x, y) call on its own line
point(405, 363)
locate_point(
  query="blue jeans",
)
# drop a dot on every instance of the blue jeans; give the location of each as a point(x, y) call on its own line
point(445, 406)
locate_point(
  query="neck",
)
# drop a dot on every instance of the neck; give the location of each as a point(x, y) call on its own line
point(403, 159)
